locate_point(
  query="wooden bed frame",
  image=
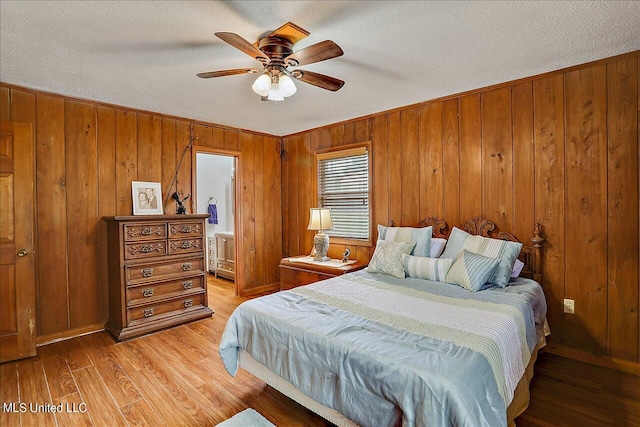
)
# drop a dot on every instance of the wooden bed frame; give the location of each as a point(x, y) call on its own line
point(530, 255)
point(478, 226)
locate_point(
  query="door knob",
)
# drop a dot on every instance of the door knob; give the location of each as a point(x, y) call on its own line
point(23, 252)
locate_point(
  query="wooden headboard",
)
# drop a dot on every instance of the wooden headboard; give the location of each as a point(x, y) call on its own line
point(477, 226)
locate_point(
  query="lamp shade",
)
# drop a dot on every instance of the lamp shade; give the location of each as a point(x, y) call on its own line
point(287, 87)
point(262, 85)
point(275, 94)
point(320, 219)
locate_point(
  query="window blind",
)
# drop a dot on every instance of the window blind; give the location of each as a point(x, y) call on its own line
point(343, 187)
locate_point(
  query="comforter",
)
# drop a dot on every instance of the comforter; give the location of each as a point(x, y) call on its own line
point(382, 350)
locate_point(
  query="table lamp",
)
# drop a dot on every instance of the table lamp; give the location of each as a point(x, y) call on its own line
point(320, 219)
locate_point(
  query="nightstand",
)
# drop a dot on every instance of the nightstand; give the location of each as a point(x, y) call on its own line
point(295, 272)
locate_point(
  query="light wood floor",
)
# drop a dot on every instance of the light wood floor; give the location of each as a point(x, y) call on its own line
point(175, 378)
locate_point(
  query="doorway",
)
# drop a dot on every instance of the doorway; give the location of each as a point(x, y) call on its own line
point(215, 190)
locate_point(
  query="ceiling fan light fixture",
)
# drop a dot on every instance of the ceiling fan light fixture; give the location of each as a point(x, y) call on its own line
point(262, 85)
point(275, 94)
point(275, 52)
point(287, 87)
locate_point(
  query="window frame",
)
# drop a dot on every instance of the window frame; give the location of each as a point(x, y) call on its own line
point(367, 145)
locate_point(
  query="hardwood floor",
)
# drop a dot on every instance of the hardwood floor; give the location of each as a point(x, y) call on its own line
point(565, 392)
point(175, 378)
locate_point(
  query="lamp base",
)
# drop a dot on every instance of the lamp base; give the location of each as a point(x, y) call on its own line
point(321, 244)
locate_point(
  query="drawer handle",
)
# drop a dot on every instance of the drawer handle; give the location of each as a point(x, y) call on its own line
point(146, 249)
point(188, 303)
point(146, 231)
point(186, 244)
point(186, 266)
point(148, 312)
point(147, 272)
point(186, 229)
point(187, 284)
point(147, 292)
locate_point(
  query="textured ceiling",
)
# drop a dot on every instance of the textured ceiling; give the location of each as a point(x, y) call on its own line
point(145, 54)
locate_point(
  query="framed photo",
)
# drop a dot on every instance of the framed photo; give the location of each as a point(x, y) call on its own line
point(147, 198)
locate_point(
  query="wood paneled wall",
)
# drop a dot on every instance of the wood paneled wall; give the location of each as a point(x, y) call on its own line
point(560, 149)
point(87, 154)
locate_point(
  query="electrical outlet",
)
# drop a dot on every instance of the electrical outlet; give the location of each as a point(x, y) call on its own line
point(569, 306)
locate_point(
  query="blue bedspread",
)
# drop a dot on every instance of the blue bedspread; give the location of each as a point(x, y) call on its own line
point(380, 350)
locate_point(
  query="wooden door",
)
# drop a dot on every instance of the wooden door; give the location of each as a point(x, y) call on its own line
point(17, 275)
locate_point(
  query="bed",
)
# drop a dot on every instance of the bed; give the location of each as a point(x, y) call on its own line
point(372, 349)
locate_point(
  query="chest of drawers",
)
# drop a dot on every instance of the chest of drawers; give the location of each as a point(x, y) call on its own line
point(157, 272)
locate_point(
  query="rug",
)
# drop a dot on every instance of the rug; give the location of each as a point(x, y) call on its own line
point(246, 418)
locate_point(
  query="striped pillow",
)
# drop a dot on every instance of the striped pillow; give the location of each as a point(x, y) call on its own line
point(505, 251)
point(426, 268)
point(471, 271)
point(420, 235)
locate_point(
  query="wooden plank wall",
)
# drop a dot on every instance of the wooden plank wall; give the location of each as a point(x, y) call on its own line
point(87, 154)
point(560, 149)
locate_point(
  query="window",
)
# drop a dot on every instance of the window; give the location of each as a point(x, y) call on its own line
point(343, 187)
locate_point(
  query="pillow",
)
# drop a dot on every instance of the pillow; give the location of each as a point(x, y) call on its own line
point(454, 244)
point(471, 271)
point(387, 258)
point(421, 237)
point(426, 268)
point(437, 246)
point(517, 268)
point(505, 251)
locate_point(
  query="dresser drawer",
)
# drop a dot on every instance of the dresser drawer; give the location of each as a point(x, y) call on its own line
point(290, 278)
point(227, 265)
point(147, 231)
point(157, 270)
point(296, 272)
point(185, 229)
point(181, 246)
point(145, 249)
point(153, 312)
point(143, 293)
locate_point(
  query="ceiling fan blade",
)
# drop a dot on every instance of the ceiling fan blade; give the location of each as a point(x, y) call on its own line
point(314, 53)
point(317, 79)
point(223, 73)
point(239, 43)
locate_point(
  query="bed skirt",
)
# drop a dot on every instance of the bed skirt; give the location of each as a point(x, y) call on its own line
point(518, 405)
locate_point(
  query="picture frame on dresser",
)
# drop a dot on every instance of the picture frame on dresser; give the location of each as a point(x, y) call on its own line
point(146, 198)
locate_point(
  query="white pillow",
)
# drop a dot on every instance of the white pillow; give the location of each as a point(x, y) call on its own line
point(426, 268)
point(437, 247)
point(387, 258)
point(517, 268)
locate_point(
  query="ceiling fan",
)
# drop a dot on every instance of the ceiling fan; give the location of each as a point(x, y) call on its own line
point(279, 62)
